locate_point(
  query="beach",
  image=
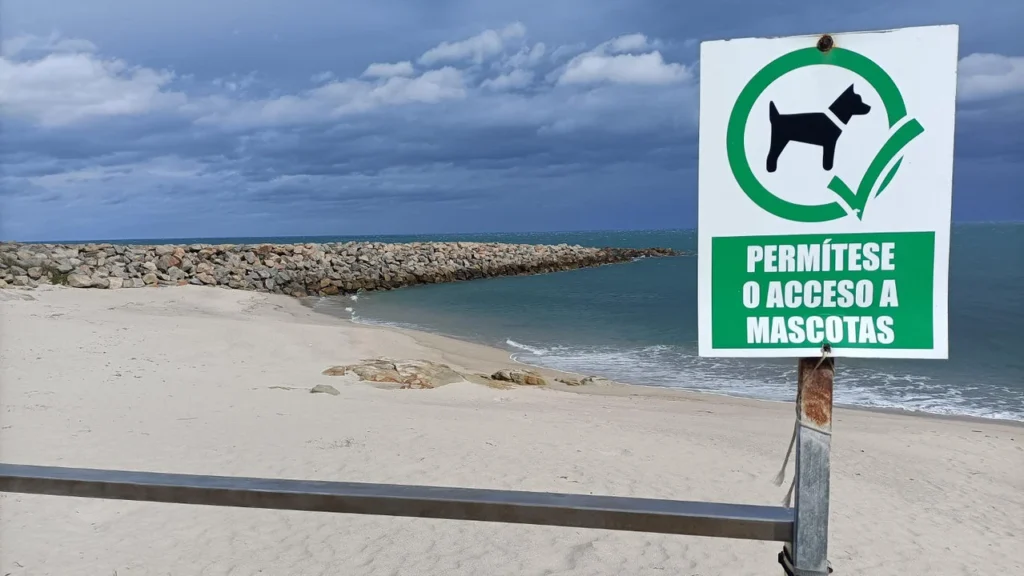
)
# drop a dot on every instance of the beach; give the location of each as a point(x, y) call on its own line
point(205, 380)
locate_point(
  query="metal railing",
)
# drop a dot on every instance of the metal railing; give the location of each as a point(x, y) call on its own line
point(575, 510)
point(804, 528)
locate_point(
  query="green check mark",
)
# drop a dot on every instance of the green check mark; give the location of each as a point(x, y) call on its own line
point(858, 201)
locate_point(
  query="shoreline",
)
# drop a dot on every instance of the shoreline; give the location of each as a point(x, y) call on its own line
point(447, 344)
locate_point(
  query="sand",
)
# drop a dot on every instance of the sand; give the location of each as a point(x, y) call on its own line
point(190, 380)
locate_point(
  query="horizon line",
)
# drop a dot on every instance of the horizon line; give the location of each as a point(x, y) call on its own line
point(224, 239)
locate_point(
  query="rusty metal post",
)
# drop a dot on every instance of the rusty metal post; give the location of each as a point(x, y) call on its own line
point(809, 551)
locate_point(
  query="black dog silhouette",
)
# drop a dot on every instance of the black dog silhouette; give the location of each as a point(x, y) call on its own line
point(813, 128)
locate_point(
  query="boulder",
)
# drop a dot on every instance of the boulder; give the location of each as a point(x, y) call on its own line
point(522, 377)
point(166, 262)
point(79, 281)
point(324, 389)
point(387, 373)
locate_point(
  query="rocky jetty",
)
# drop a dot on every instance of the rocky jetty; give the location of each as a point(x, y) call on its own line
point(294, 269)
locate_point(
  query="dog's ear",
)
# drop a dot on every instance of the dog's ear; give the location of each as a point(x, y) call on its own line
point(849, 90)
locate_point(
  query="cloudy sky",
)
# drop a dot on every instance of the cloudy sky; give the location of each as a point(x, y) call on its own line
point(146, 119)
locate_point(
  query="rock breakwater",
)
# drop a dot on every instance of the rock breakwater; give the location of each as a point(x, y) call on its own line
point(294, 269)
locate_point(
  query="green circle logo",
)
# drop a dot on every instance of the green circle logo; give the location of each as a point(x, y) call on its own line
point(895, 110)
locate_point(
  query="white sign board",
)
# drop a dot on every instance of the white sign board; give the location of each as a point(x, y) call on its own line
point(826, 174)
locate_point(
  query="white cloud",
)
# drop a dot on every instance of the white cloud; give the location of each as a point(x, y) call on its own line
point(986, 76)
point(617, 61)
point(627, 43)
point(649, 69)
point(527, 57)
point(479, 48)
point(567, 50)
point(511, 81)
point(430, 87)
point(335, 99)
point(378, 70)
point(236, 82)
point(50, 44)
point(63, 88)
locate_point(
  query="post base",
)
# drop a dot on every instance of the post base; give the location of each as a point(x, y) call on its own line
point(786, 559)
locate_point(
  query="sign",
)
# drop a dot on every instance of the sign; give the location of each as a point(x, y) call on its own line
point(826, 173)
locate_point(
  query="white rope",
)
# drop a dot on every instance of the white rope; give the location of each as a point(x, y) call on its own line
point(781, 476)
point(788, 499)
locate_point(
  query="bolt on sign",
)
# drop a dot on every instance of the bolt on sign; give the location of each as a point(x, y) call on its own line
point(826, 173)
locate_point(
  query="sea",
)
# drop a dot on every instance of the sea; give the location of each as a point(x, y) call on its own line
point(637, 323)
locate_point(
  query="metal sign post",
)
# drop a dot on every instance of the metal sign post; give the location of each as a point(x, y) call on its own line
point(807, 555)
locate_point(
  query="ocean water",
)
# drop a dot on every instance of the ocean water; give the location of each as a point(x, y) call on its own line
point(637, 323)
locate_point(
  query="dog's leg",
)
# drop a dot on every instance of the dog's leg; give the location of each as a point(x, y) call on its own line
point(778, 142)
point(828, 156)
point(777, 146)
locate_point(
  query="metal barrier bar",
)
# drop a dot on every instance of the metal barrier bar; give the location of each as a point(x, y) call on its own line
point(575, 510)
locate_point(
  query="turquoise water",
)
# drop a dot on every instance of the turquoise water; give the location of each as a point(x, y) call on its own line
point(637, 323)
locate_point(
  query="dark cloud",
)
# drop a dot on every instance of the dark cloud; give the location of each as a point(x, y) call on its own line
point(577, 157)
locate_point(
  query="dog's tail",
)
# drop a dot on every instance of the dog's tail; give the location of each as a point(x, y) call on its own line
point(773, 112)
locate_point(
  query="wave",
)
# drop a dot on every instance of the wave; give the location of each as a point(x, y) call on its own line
point(531, 349)
point(680, 367)
point(374, 322)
